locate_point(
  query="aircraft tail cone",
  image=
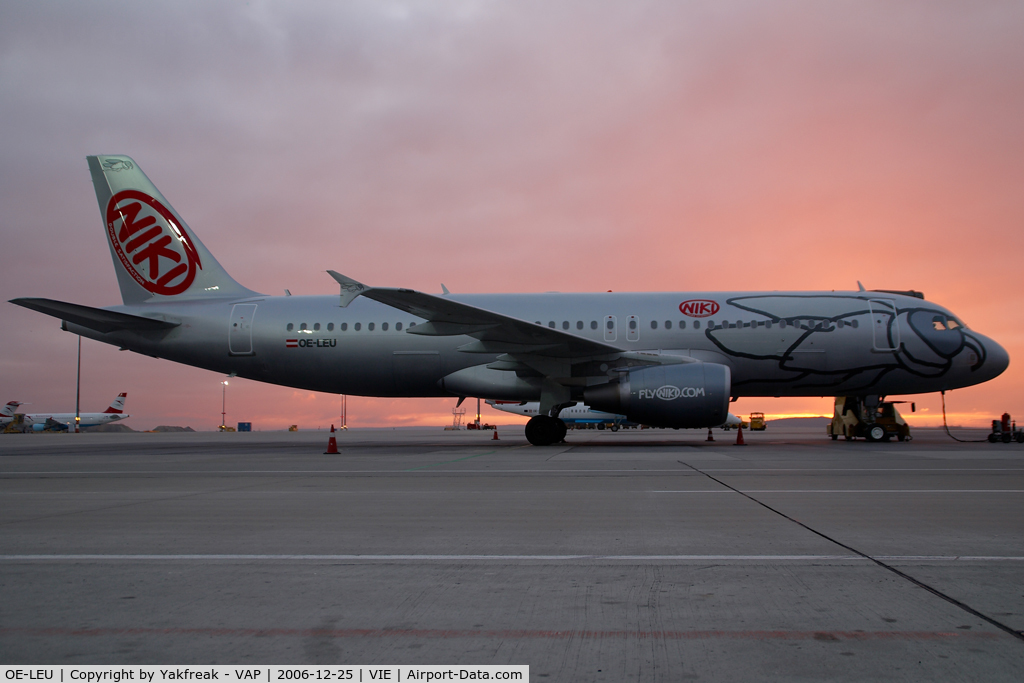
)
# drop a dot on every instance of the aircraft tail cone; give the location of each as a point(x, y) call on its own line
point(332, 444)
point(711, 437)
point(495, 437)
point(739, 437)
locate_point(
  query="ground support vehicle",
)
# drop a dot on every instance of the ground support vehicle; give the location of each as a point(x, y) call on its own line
point(1005, 430)
point(867, 418)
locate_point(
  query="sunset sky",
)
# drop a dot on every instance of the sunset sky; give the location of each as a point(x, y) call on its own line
point(511, 147)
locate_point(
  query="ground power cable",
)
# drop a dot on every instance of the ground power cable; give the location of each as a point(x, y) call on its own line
point(1019, 635)
point(946, 426)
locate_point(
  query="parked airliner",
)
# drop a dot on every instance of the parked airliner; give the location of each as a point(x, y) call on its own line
point(581, 414)
point(41, 421)
point(663, 359)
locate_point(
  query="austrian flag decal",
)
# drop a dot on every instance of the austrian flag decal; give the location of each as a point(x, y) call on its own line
point(150, 243)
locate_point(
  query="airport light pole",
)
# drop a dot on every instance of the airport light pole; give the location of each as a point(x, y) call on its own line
point(78, 387)
point(223, 402)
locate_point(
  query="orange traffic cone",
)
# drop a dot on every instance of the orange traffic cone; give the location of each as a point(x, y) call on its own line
point(332, 444)
point(739, 438)
point(495, 437)
point(711, 437)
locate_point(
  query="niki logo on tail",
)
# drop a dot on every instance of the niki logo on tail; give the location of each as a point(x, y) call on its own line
point(150, 244)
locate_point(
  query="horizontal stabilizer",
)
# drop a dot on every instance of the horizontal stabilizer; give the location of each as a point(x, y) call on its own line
point(95, 318)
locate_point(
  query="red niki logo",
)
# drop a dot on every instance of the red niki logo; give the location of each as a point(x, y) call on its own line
point(150, 243)
point(699, 308)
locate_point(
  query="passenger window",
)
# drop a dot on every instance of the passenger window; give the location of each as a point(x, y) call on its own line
point(551, 324)
point(384, 327)
point(632, 324)
point(696, 324)
point(782, 323)
point(854, 323)
point(593, 324)
point(344, 327)
point(357, 326)
point(398, 326)
point(565, 324)
point(840, 323)
point(537, 322)
point(768, 324)
point(302, 326)
point(316, 326)
point(369, 326)
point(579, 324)
point(682, 324)
point(412, 324)
point(330, 327)
point(654, 324)
point(611, 324)
point(668, 324)
point(291, 326)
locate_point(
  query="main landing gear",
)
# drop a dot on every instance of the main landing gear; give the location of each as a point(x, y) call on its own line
point(544, 430)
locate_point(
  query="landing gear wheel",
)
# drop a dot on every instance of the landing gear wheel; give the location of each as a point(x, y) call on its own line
point(543, 430)
point(876, 433)
point(835, 436)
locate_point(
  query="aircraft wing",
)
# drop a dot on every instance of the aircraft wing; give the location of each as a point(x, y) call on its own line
point(495, 332)
point(95, 318)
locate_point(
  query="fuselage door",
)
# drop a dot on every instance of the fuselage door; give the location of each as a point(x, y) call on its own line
point(609, 328)
point(240, 329)
point(885, 328)
point(632, 329)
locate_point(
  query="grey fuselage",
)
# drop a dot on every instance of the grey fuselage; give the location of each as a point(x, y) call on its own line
point(775, 343)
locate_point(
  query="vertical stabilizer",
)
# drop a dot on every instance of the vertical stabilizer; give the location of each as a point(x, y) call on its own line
point(8, 410)
point(117, 406)
point(156, 255)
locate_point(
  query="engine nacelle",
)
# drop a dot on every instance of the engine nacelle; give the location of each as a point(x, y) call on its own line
point(690, 395)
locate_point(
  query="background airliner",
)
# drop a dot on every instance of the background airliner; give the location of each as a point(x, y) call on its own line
point(671, 359)
point(40, 421)
point(581, 414)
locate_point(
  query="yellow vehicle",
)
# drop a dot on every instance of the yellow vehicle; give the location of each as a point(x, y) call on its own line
point(757, 422)
point(853, 419)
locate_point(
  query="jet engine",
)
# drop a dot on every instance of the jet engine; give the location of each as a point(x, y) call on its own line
point(691, 395)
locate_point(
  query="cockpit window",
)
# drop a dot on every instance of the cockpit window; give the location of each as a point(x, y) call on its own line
point(943, 323)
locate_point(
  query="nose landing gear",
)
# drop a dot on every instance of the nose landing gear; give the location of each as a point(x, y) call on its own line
point(544, 430)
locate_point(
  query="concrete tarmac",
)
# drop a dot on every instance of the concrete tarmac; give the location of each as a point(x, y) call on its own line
point(650, 556)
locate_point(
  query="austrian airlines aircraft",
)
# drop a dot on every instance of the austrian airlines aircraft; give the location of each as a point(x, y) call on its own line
point(40, 421)
point(661, 359)
point(581, 414)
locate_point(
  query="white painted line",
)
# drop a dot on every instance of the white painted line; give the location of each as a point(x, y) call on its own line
point(397, 470)
point(860, 491)
point(509, 558)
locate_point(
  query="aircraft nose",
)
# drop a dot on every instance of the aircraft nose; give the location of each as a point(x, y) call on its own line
point(996, 358)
